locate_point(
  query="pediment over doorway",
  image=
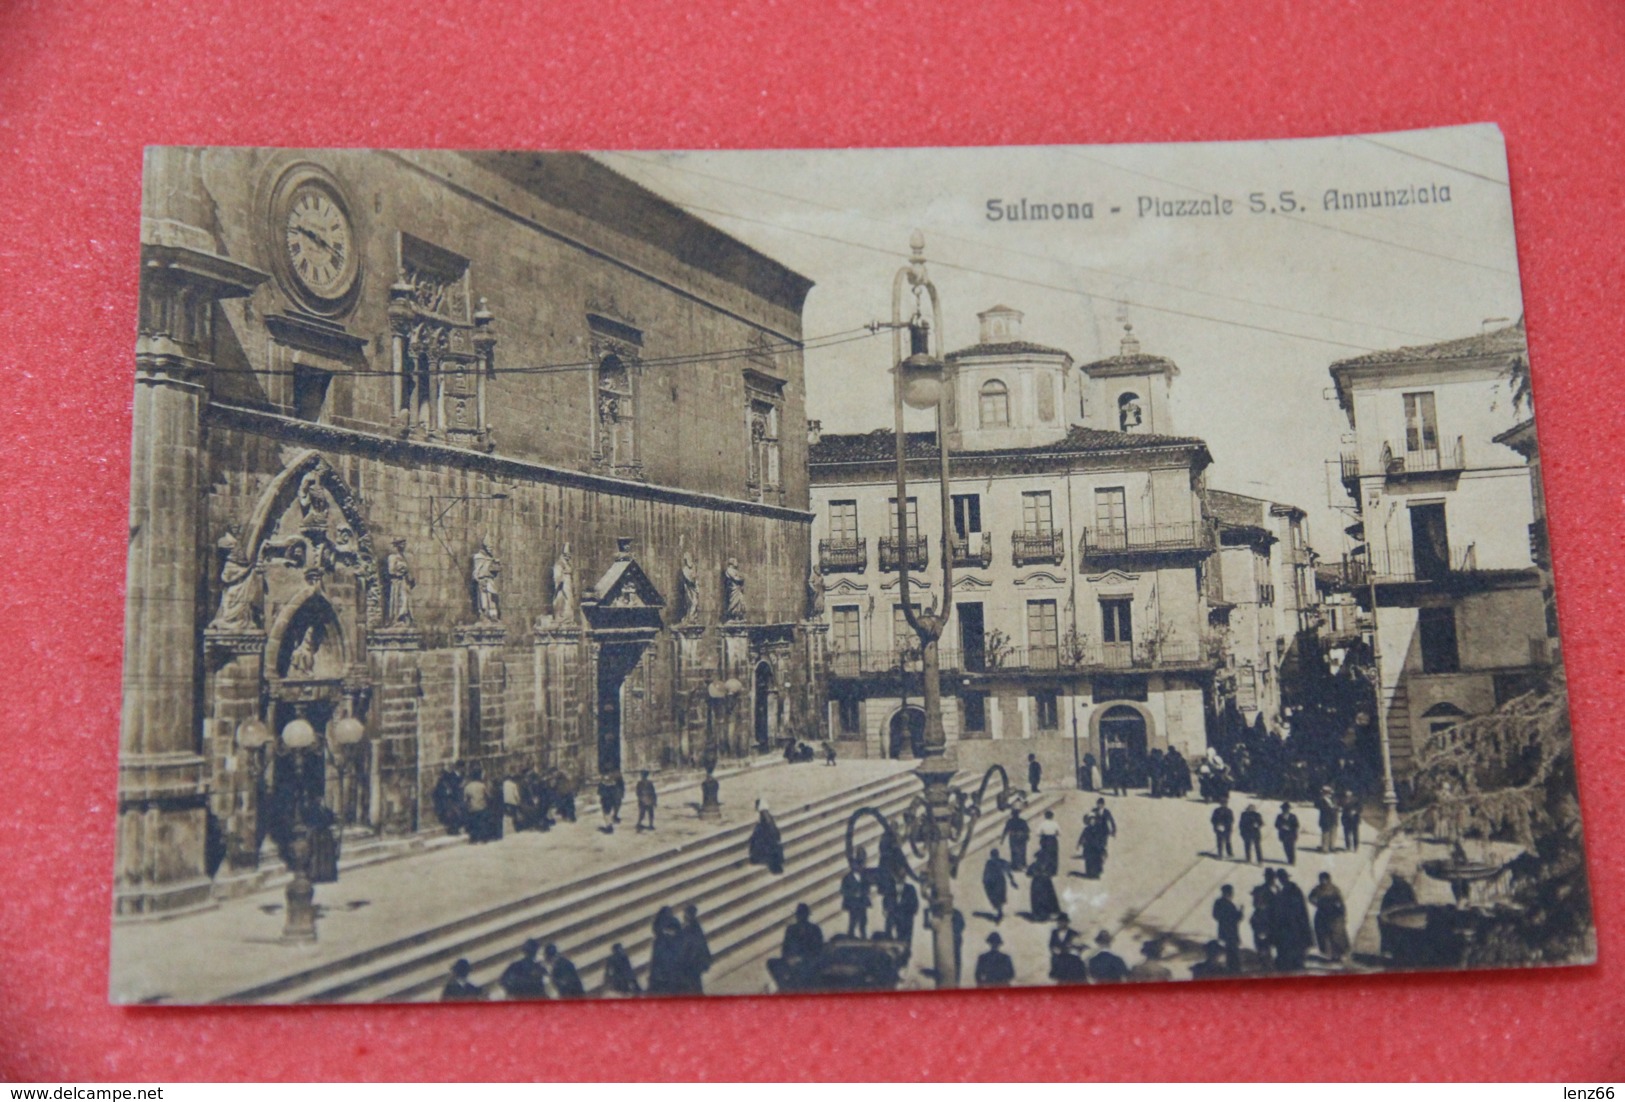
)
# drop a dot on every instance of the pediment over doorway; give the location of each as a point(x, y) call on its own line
point(623, 597)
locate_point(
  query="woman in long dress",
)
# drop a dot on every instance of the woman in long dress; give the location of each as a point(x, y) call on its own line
point(766, 846)
point(1046, 865)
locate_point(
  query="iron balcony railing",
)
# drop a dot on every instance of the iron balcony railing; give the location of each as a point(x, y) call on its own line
point(902, 660)
point(1147, 539)
point(1037, 547)
point(1387, 567)
point(843, 556)
point(1143, 654)
point(916, 546)
point(1450, 456)
point(976, 549)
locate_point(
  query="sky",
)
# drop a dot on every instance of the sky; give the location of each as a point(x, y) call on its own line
point(1252, 306)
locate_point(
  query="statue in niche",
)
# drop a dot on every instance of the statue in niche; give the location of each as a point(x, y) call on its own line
point(815, 595)
point(313, 500)
point(733, 592)
point(688, 590)
point(302, 662)
point(564, 587)
point(400, 583)
point(487, 568)
point(236, 611)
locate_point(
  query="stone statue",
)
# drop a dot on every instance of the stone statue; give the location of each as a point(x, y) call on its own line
point(400, 582)
point(313, 500)
point(688, 590)
point(564, 587)
point(236, 611)
point(487, 568)
point(302, 662)
point(815, 595)
point(733, 592)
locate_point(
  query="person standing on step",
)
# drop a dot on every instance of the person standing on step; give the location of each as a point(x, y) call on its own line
point(566, 980)
point(1035, 773)
point(766, 844)
point(525, 978)
point(666, 954)
point(994, 967)
point(1016, 832)
point(1251, 828)
point(1223, 820)
point(1227, 917)
point(459, 988)
point(1286, 829)
point(695, 952)
point(855, 895)
point(646, 800)
point(620, 977)
point(997, 879)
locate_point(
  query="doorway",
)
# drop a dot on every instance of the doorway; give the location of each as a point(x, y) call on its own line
point(1430, 542)
point(765, 698)
point(1122, 746)
point(972, 635)
point(907, 734)
point(614, 663)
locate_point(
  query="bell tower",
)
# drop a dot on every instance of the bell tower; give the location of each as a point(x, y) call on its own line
point(1129, 392)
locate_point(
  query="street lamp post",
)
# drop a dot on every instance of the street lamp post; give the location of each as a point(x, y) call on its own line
point(917, 383)
point(1390, 795)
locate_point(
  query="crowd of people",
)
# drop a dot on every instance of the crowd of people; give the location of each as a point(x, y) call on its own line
point(468, 801)
point(679, 957)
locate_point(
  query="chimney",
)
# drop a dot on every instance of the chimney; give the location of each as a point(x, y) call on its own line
point(1131, 343)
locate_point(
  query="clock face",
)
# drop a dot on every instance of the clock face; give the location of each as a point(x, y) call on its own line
point(319, 243)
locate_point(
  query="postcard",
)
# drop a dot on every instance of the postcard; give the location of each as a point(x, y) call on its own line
point(560, 575)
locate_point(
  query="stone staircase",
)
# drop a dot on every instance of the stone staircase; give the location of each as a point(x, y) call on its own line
point(743, 907)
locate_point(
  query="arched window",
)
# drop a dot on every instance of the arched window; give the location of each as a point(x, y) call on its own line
point(1130, 415)
point(995, 405)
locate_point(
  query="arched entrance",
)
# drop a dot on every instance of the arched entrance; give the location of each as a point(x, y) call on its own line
point(906, 736)
point(1123, 745)
point(762, 719)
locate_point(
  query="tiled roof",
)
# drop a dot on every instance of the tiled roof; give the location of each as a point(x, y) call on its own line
point(1008, 348)
point(1506, 341)
point(881, 445)
point(1141, 360)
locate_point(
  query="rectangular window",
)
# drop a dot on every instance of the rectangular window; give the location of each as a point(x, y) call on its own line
point(967, 514)
point(974, 708)
point(1047, 705)
point(763, 422)
point(1421, 422)
point(1246, 688)
point(1111, 509)
point(1117, 619)
point(1436, 628)
point(913, 508)
point(1037, 517)
point(843, 521)
point(1043, 634)
point(851, 715)
point(843, 630)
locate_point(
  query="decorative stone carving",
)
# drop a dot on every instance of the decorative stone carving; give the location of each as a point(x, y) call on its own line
point(399, 583)
point(487, 569)
point(688, 590)
point(237, 589)
point(815, 595)
point(564, 587)
point(733, 592)
point(302, 661)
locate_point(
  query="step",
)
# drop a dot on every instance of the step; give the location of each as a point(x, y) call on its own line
point(610, 918)
point(330, 980)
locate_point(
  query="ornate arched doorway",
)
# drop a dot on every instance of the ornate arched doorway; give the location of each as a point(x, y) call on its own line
point(1123, 738)
point(906, 734)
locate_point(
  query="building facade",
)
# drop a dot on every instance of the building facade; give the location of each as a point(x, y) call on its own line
point(446, 458)
point(1445, 510)
point(1079, 544)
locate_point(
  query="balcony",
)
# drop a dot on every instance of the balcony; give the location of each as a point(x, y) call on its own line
point(1448, 458)
point(976, 549)
point(1146, 539)
point(891, 549)
point(1037, 547)
point(1400, 565)
point(1138, 655)
point(843, 556)
point(879, 662)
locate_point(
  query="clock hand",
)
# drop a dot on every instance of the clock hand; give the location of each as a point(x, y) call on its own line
point(316, 237)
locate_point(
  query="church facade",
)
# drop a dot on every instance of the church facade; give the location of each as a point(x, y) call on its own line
point(446, 458)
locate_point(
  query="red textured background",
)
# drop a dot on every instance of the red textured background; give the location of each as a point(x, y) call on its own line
point(83, 86)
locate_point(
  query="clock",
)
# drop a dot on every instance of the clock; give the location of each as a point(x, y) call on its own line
point(314, 243)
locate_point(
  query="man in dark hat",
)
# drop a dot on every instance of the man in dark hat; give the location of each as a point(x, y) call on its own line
point(525, 978)
point(1106, 966)
point(1286, 829)
point(1016, 832)
point(1349, 813)
point(1251, 828)
point(900, 923)
point(566, 980)
point(1223, 820)
point(1263, 920)
point(996, 880)
point(1227, 916)
point(647, 799)
point(994, 967)
point(1326, 817)
point(460, 989)
point(1035, 772)
point(855, 895)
